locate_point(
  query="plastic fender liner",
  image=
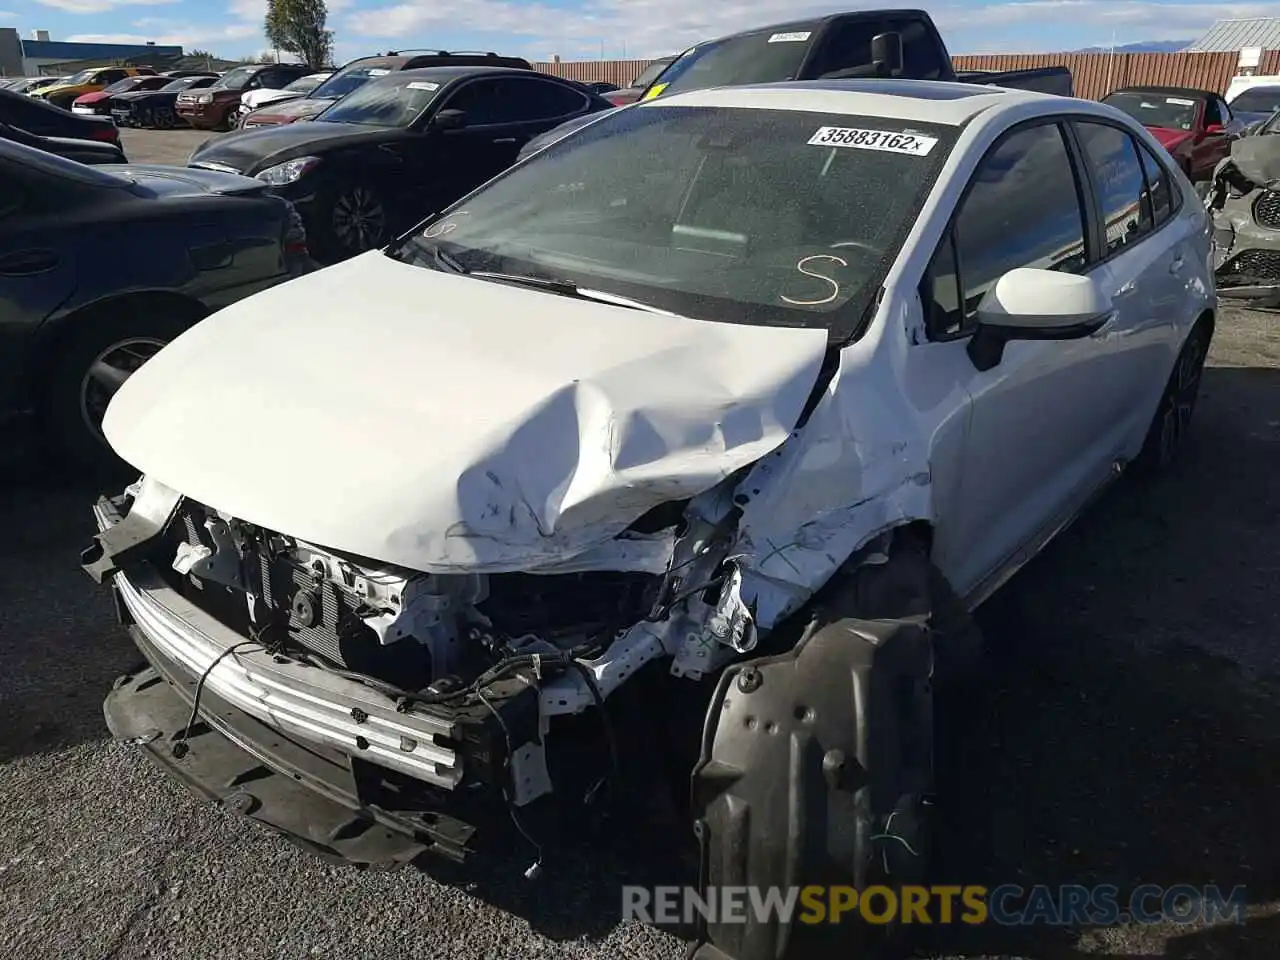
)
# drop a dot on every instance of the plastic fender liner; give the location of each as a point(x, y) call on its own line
point(816, 767)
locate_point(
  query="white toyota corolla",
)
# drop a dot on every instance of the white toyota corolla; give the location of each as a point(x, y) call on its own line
point(763, 387)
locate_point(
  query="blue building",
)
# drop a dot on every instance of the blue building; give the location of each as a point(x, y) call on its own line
point(28, 58)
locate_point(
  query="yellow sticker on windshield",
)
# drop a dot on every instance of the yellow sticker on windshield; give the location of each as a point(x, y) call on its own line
point(654, 91)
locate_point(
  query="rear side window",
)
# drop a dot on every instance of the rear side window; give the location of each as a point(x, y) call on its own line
point(544, 100)
point(1164, 199)
point(1023, 208)
point(108, 77)
point(1119, 180)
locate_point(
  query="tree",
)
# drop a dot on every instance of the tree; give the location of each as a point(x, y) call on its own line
point(298, 27)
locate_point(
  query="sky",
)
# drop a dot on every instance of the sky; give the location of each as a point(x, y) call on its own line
point(609, 29)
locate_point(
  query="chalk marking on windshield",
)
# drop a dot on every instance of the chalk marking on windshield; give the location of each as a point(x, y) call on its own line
point(444, 227)
point(886, 141)
point(423, 85)
point(1181, 102)
point(800, 265)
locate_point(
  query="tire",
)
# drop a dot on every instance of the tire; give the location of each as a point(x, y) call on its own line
point(350, 219)
point(106, 346)
point(1172, 420)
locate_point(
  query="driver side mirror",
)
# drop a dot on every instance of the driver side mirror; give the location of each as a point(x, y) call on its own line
point(447, 120)
point(1214, 130)
point(886, 53)
point(1033, 304)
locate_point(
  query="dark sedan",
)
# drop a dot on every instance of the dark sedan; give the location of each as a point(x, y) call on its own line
point(46, 120)
point(82, 151)
point(155, 108)
point(399, 147)
point(76, 321)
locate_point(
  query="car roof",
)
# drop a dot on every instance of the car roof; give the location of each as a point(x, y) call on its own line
point(925, 101)
point(1172, 91)
point(449, 73)
point(816, 22)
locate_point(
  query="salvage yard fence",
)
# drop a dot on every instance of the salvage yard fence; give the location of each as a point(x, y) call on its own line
point(1096, 74)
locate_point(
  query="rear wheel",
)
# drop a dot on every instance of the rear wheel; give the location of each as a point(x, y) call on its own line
point(104, 351)
point(1172, 422)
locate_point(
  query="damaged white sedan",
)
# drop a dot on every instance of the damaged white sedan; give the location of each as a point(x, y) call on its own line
point(501, 513)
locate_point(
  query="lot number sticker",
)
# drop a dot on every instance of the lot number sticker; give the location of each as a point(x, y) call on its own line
point(886, 141)
point(790, 37)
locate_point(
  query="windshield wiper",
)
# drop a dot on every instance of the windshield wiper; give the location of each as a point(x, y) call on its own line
point(565, 288)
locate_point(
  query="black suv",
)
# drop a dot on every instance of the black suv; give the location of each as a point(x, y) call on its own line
point(357, 73)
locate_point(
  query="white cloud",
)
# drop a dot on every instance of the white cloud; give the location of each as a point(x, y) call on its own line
point(7, 15)
point(98, 6)
point(655, 27)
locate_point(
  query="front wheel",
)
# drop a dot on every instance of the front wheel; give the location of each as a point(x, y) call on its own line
point(90, 367)
point(352, 220)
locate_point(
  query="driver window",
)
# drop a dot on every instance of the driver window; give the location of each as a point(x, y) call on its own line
point(1212, 113)
point(483, 103)
point(1022, 209)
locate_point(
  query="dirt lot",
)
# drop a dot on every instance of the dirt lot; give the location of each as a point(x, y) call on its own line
point(1131, 734)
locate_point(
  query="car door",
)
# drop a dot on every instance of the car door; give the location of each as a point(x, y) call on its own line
point(1038, 438)
point(36, 272)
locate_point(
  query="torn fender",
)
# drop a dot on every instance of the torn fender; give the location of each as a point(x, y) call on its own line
point(809, 760)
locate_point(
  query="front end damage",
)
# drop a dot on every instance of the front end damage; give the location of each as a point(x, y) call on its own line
point(373, 711)
point(1244, 202)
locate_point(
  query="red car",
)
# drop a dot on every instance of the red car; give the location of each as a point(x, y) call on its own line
point(1195, 126)
point(99, 104)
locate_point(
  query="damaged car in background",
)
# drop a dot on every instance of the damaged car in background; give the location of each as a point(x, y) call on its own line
point(1244, 201)
point(689, 478)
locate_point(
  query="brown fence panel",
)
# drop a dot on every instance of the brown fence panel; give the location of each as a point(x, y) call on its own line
point(1096, 74)
point(621, 72)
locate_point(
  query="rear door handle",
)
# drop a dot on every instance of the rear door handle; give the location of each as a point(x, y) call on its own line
point(27, 263)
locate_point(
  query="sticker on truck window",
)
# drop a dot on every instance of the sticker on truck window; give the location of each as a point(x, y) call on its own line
point(423, 85)
point(791, 37)
point(887, 141)
point(1181, 102)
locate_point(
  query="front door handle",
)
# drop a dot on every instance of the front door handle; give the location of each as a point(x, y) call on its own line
point(27, 263)
point(1175, 267)
point(506, 140)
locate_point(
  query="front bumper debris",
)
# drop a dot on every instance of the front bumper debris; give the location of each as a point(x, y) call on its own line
point(308, 795)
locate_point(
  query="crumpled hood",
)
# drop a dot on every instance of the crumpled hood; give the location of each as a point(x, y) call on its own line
point(1169, 138)
point(446, 423)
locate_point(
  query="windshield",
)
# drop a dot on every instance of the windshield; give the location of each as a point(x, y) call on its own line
point(347, 80)
point(754, 58)
point(1156, 109)
point(84, 76)
point(743, 216)
point(650, 74)
point(392, 101)
point(1258, 100)
point(235, 79)
point(304, 84)
point(183, 84)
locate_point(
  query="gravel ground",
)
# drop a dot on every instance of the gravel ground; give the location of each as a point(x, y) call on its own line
point(1131, 734)
point(161, 146)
